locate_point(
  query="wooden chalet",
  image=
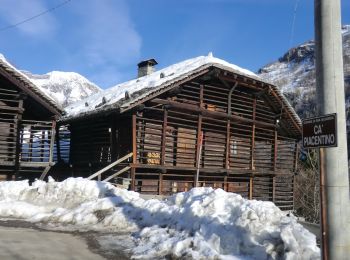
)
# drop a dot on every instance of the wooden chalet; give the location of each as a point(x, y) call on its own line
point(201, 122)
point(27, 125)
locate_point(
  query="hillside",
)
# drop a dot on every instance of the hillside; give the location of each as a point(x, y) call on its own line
point(294, 73)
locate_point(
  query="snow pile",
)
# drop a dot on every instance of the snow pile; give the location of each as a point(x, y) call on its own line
point(201, 223)
point(154, 81)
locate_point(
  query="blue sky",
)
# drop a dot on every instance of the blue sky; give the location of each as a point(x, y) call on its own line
point(104, 39)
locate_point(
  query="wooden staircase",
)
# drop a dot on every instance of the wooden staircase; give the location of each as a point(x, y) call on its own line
point(115, 172)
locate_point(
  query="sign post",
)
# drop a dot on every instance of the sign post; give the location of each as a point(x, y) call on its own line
point(321, 132)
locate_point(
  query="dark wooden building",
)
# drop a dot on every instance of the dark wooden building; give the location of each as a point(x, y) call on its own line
point(27, 125)
point(201, 116)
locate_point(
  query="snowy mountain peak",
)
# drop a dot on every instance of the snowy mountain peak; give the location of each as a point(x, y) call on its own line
point(297, 54)
point(294, 73)
point(64, 87)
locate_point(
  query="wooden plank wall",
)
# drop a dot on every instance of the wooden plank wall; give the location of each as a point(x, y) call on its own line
point(25, 145)
point(9, 110)
point(244, 150)
point(245, 156)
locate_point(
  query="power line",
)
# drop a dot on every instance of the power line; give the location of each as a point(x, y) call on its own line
point(34, 17)
point(293, 23)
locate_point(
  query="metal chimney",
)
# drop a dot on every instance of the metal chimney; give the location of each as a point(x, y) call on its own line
point(146, 67)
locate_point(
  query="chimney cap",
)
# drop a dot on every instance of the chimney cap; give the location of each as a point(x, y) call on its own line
point(150, 62)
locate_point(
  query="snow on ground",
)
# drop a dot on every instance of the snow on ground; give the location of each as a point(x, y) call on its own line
point(202, 224)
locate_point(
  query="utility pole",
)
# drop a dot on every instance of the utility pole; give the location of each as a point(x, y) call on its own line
point(333, 161)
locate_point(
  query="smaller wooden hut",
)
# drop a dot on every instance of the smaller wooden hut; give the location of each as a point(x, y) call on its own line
point(201, 122)
point(27, 125)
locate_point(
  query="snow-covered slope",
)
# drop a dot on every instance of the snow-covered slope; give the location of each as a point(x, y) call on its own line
point(294, 73)
point(64, 87)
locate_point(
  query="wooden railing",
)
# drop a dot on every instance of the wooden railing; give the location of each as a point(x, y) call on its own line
point(99, 173)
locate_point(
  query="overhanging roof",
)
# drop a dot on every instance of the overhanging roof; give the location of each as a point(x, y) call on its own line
point(21, 81)
point(127, 95)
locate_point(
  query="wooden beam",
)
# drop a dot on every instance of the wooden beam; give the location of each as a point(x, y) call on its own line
point(134, 151)
point(198, 146)
point(117, 173)
point(296, 150)
point(113, 138)
point(165, 124)
point(251, 187)
point(214, 114)
point(134, 141)
point(52, 141)
point(227, 155)
point(201, 96)
point(18, 136)
point(46, 170)
point(233, 171)
point(273, 188)
point(275, 151)
point(58, 145)
point(160, 185)
point(98, 173)
point(252, 165)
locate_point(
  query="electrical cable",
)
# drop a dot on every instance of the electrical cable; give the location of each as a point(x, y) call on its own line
point(34, 17)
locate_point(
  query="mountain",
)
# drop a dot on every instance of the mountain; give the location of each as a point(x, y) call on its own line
point(294, 73)
point(64, 87)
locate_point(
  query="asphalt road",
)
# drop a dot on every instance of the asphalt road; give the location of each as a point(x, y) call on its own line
point(22, 240)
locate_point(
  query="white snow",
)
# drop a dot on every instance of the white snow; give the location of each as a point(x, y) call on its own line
point(200, 224)
point(154, 80)
point(65, 87)
point(61, 87)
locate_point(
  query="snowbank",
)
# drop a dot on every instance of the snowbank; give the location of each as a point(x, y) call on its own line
point(201, 223)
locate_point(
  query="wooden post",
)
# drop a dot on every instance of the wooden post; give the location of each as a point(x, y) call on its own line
point(58, 145)
point(201, 96)
point(252, 166)
point(227, 157)
point(198, 147)
point(160, 186)
point(275, 150)
point(30, 146)
point(52, 140)
point(251, 187)
point(296, 157)
point(113, 138)
point(134, 151)
point(18, 138)
point(225, 183)
point(165, 123)
point(273, 188)
point(199, 158)
point(42, 145)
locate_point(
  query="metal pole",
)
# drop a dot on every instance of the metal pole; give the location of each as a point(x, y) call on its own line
point(330, 95)
point(323, 204)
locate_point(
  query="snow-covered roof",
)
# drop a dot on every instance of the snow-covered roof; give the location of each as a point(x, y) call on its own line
point(164, 79)
point(106, 99)
point(28, 86)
